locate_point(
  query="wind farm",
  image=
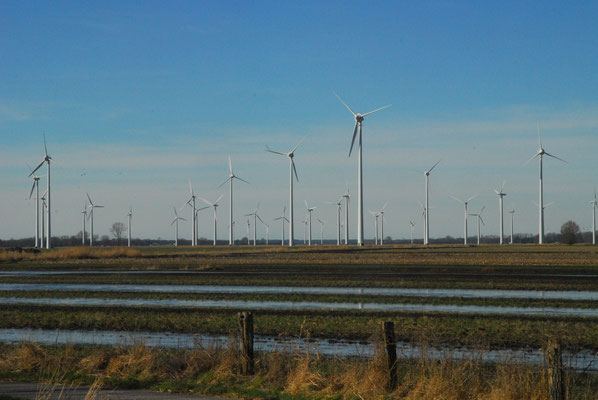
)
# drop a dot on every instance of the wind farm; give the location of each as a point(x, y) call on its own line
point(182, 130)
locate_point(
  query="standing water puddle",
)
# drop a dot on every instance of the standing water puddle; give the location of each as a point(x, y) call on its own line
point(583, 360)
point(305, 305)
point(409, 292)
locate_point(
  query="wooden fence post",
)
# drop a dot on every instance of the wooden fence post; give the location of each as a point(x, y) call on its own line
point(246, 333)
point(554, 360)
point(391, 352)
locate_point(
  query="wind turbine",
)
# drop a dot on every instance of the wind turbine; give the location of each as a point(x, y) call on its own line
point(267, 233)
point(231, 176)
point(255, 218)
point(465, 214)
point(215, 205)
point(129, 216)
point(290, 155)
point(305, 230)
point(84, 212)
point(35, 187)
point(233, 225)
point(338, 219)
point(44, 210)
point(545, 206)
point(412, 228)
point(594, 203)
point(282, 218)
point(92, 207)
point(248, 230)
point(512, 212)
point(375, 215)
point(321, 231)
point(381, 213)
point(540, 154)
point(347, 197)
point(500, 194)
point(309, 211)
point(176, 221)
point(196, 214)
point(191, 203)
point(359, 123)
point(47, 160)
point(479, 216)
point(427, 205)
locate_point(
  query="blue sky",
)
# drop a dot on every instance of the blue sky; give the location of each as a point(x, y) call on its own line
point(138, 97)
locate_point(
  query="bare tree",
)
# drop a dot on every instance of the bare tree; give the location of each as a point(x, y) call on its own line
point(117, 230)
point(570, 232)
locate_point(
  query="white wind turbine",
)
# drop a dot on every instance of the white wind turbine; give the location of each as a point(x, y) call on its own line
point(175, 221)
point(92, 207)
point(347, 197)
point(129, 216)
point(290, 155)
point(267, 233)
point(500, 194)
point(35, 187)
point(305, 230)
point(427, 204)
point(231, 176)
point(255, 218)
point(44, 210)
point(375, 215)
point(233, 231)
point(540, 154)
point(309, 211)
point(191, 203)
point(248, 230)
point(512, 212)
point(197, 210)
point(594, 203)
point(215, 206)
point(381, 213)
point(479, 217)
point(465, 214)
point(84, 212)
point(47, 160)
point(282, 218)
point(338, 219)
point(545, 206)
point(321, 231)
point(412, 229)
point(359, 123)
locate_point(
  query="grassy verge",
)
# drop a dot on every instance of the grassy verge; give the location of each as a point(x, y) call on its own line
point(280, 375)
point(436, 329)
point(296, 297)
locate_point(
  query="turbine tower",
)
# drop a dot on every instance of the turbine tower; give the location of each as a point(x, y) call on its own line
point(44, 210)
point(215, 205)
point(267, 232)
point(540, 154)
point(512, 212)
point(47, 160)
point(321, 231)
point(594, 203)
point(347, 197)
point(465, 214)
point(427, 205)
point(129, 216)
point(255, 218)
point(309, 211)
point(412, 228)
point(248, 230)
point(500, 194)
point(84, 212)
point(92, 207)
point(231, 176)
point(359, 123)
point(35, 187)
point(375, 215)
point(282, 218)
point(191, 203)
point(176, 221)
point(291, 156)
point(381, 213)
point(338, 218)
point(479, 217)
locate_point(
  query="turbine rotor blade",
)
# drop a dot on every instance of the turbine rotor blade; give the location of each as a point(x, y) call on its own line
point(275, 152)
point(295, 148)
point(353, 140)
point(560, 159)
point(525, 163)
point(230, 166)
point(38, 167)
point(376, 110)
point(32, 187)
point(294, 169)
point(348, 108)
point(242, 180)
point(222, 184)
point(90, 202)
point(434, 166)
point(459, 200)
point(471, 198)
point(45, 147)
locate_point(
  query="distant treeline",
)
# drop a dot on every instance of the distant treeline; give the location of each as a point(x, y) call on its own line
point(105, 240)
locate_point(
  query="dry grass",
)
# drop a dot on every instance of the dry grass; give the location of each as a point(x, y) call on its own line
point(297, 375)
point(69, 253)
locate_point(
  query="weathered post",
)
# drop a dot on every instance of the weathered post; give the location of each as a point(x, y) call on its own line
point(246, 333)
point(554, 360)
point(391, 352)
